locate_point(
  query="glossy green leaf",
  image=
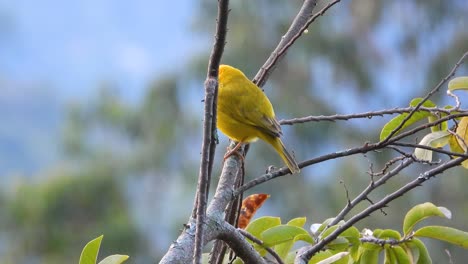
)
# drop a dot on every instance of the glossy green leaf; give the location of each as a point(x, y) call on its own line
point(388, 234)
point(340, 244)
point(389, 256)
point(280, 234)
point(396, 121)
point(427, 103)
point(320, 256)
point(401, 255)
point(421, 212)
point(316, 228)
point(290, 258)
point(370, 246)
point(328, 231)
point(422, 256)
point(411, 251)
point(336, 258)
point(459, 83)
point(435, 140)
point(261, 224)
point(91, 251)
point(351, 232)
point(441, 126)
point(114, 259)
point(370, 256)
point(283, 249)
point(447, 234)
point(354, 247)
point(299, 221)
point(305, 237)
point(237, 261)
point(376, 232)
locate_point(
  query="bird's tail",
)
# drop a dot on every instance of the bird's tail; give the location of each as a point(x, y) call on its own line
point(284, 154)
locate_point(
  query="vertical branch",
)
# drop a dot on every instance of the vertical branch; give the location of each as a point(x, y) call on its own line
point(209, 128)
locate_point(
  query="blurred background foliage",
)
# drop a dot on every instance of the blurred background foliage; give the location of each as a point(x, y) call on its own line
point(127, 168)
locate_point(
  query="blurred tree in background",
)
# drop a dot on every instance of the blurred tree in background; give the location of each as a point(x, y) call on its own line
point(131, 168)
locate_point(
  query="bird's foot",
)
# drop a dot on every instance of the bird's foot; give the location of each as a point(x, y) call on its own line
point(234, 151)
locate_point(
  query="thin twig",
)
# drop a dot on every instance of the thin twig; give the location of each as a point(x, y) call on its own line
point(259, 242)
point(438, 150)
point(302, 21)
point(386, 167)
point(372, 186)
point(209, 128)
point(434, 90)
point(368, 115)
point(348, 152)
point(305, 255)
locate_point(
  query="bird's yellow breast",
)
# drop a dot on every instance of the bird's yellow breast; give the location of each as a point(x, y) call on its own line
point(242, 107)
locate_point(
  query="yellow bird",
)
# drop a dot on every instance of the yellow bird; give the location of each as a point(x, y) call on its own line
point(245, 113)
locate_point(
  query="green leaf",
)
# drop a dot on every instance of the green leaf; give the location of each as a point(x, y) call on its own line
point(435, 140)
point(396, 121)
point(351, 232)
point(459, 83)
point(421, 212)
point(334, 258)
point(370, 256)
point(340, 244)
point(441, 126)
point(280, 234)
point(447, 234)
point(261, 224)
point(401, 255)
point(299, 221)
point(114, 259)
point(388, 234)
point(290, 258)
point(320, 256)
point(354, 248)
point(427, 103)
point(305, 237)
point(283, 248)
point(422, 256)
point(389, 256)
point(328, 231)
point(318, 228)
point(91, 251)
point(237, 261)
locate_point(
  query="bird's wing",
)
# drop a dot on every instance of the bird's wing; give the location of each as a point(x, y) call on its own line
point(256, 116)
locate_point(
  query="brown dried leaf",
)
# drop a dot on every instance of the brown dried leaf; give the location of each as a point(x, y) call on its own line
point(250, 205)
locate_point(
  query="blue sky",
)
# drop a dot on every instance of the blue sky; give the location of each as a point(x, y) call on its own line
point(73, 45)
point(54, 52)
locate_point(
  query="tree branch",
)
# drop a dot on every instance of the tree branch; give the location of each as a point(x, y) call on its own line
point(367, 147)
point(209, 129)
point(239, 244)
point(372, 186)
point(259, 242)
point(305, 255)
point(434, 90)
point(300, 23)
point(367, 115)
